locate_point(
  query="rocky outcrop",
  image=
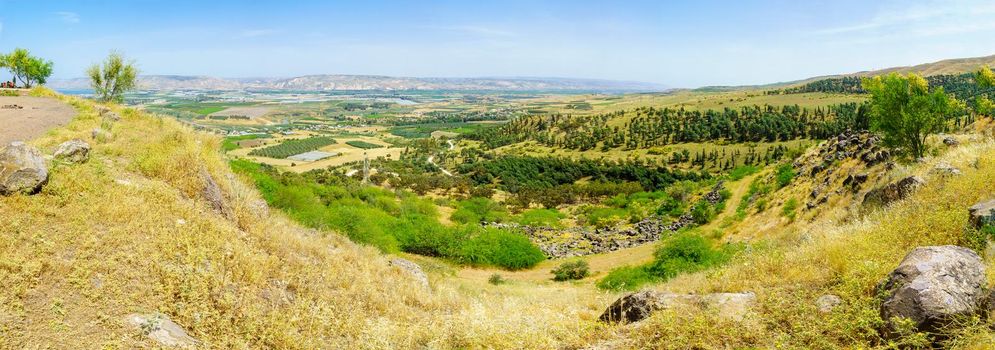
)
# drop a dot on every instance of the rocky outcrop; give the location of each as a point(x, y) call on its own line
point(932, 285)
point(894, 191)
point(162, 330)
point(413, 269)
point(827, 303)
point(22, 169)
point(73, 151)
point(213, 195)
point(638, 306)
point(982, 213)
point(944, 168)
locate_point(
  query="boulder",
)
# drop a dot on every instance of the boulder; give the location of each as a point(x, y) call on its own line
point(982, 213)
point(22, 169)
point(73, 151)
point(101, 135)
point(894, 191)
point(413, 269)
point(635, 307)
point(932, 285)
point(161, 329)
point(827, 303)
point(944, 168)
point(950, 141)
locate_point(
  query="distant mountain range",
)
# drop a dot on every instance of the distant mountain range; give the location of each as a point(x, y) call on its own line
point(372, 82)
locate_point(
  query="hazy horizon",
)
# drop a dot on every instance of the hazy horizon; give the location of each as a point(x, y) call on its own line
point(674, 45)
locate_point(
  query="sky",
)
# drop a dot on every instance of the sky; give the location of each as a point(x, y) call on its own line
point(674, 43)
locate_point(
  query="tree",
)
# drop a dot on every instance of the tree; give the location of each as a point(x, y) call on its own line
point(905, 111)
point(26, 68)
point(985, 77)
point(112, 79)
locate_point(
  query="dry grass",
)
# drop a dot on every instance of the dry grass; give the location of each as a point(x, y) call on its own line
point(127, 232)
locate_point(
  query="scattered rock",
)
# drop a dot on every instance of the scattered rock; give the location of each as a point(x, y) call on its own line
point(213, 195)
point(635, 307)
point(164, 331)
point(101, 135)
point(945, 168)
point(932, 285)
point(827, 303)
point(73, 151)
point(950, 141)
point(412, 269)
point(22, 169)
point(894, 191)
point(982, 213)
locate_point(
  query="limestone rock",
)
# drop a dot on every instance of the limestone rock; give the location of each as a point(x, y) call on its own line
point(635, 307)
point(945, 168)
point(932, 285)
point(73, 151)
point(164, 331)
point(982, 213)
point(413, 269)
point(22, 169)
point(894, 191)
point(828, 302)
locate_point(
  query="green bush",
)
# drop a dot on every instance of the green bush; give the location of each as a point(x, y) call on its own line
point(626, 278)
point(476, 210)
point(540, 217)
point(789, 209)
point(685, 252)
point(571, 270)
point(496, 279)
point(785, 173)
point(491, 246)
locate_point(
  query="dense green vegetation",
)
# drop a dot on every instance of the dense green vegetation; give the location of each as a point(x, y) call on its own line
point(685, 252)
point(906, 111)
point(28, 69)
point(292, 147)
point(423, 129)
point(650, 127)
point(964, 86)
point(363, 144)
point(571, 270)
point(387, 220)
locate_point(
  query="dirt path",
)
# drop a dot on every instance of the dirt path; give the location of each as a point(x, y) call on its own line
point(37, 115)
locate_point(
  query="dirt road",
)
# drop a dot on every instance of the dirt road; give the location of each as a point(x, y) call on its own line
point(33, 118)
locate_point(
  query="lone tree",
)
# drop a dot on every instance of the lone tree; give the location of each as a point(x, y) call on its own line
point(112, 79)
point(985, 79)
point(905, 111)
point(28, 69)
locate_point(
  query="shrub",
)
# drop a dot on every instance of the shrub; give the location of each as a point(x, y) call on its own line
point(685, 252)
point(789, 209)
point(491, 246)
point(496, 279)
point(785, 173)
point(571, 270)
point(476, 210)
point(626, 278)
point(540, 217)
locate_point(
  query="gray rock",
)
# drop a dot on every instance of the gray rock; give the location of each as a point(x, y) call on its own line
point(894, 191)
point(827, 303)
point(635, 307)
point(22, 169)
point(73, 151)
point(982, 213)
point(950, 141)
point(101, 135)
point(932, 285)
point(213, 195)
point(413, 269)
point(945, 168)
point(164, 331)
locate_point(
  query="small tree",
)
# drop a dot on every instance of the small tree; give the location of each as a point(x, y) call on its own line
point(905, 111)
point(112, 79)
point(28, 69)
point(985, 77)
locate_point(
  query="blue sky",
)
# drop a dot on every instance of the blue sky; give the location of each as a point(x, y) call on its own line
point(679, 44)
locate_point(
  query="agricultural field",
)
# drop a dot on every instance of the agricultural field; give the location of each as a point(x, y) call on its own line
point(292, 147)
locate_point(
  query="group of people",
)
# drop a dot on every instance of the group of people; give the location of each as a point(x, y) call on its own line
point(7, 85)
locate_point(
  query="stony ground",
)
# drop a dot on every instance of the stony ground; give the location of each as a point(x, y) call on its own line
point(24, 118)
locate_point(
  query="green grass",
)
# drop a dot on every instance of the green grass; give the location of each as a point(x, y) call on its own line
point(540, 217)
point(363, 144)
point(685, 252)
point(209, 110)
point(293, 147)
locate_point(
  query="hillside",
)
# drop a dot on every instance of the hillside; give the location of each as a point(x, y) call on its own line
point(372, 82)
